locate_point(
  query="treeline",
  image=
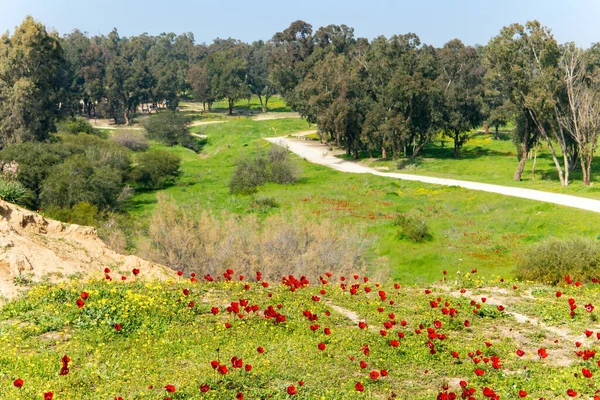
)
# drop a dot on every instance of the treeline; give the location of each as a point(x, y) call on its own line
point(388, 96)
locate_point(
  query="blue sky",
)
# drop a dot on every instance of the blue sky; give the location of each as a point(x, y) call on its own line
point(435, 21)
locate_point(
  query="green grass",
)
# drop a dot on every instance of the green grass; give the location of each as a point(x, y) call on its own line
point(485, 159)
point(167, 340)
point(469, 229)
point(220, 109)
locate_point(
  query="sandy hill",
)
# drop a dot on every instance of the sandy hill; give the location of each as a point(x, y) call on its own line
point(33, 248)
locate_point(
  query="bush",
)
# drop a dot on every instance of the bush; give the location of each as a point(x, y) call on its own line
point(79, 180)
point(170, 128)
point(75, 126)
point(156, 169)
point(195, 240)
point(274, 166)
point(133, 140)
point(264, 204)
point(13, 191)
point(551, 260)
point(414, 227)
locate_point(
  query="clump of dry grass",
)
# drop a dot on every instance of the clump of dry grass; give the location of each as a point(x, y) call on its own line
point(206, 243)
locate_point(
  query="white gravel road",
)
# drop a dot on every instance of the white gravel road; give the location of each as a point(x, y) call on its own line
point(318, 153)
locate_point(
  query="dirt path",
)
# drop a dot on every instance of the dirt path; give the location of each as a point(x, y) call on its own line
point(278, 115)
point(200, 123)
point(318, 153)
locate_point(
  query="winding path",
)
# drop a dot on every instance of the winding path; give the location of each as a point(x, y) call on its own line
point(318, 153)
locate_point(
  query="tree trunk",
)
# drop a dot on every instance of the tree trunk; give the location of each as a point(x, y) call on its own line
point(555, 160)
point(262, 106)
point(585, 169)
point(126, 116)
point(497, 135)
point(456, 147)
point(204, 106)
point(384, 153)
point(535, 150)
point(486, 128)
point(230, 106)
point(265, 108)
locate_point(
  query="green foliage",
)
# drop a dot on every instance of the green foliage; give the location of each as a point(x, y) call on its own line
point(75, 126)
point(551, 260)
point(170, 128)
point(12, 191)
point(414, 227)
point(78, 180)
point(31, 67)
point(83, 213)
point(274, 166)
point(156, 169)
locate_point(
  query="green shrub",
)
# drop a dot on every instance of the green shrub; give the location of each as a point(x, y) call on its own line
point(12, 191)
point(551, 260)
point(79, 179)
point(264, 204)
point(170, 128)
point(75, 126)
point(414, 227)
point(274, 166)
point(156, 169)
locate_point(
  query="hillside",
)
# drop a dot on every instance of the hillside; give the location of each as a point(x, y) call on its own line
point(35, 249)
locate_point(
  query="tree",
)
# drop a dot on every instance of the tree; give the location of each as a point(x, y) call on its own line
point(31, 64)
point(259, 65)
point(293, 46)
point(200, 81)
point(231, 71)
point(525, 61)
point(333, 95)
point(581, 119)
point(400, 74)
point(460, 85)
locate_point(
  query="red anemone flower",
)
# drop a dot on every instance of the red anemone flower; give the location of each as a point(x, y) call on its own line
point(18, 383)
point(291, 390)
point(359, 387)
point(170, 389)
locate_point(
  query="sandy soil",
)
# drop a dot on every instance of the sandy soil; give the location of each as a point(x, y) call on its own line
point(33, 248)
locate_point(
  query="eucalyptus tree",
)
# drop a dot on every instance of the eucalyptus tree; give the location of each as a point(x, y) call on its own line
point(460, 84)
point(260, 59)
point(525, 60)
point(229, 68)
point(292, 47)
point(31, 65)
point(400, 74)
point(580, 116)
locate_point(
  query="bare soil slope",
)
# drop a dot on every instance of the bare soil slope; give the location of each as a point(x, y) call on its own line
point(33, 248)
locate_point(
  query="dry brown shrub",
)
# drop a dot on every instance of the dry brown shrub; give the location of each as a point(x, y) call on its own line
point(208, 244)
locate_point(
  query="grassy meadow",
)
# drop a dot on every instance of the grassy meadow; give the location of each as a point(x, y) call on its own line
point(152, 340)
point(469, 229)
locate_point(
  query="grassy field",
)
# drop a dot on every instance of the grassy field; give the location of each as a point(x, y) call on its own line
point(134, 338)
point(469, 229)
point(485, 159)
point(243, 107)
